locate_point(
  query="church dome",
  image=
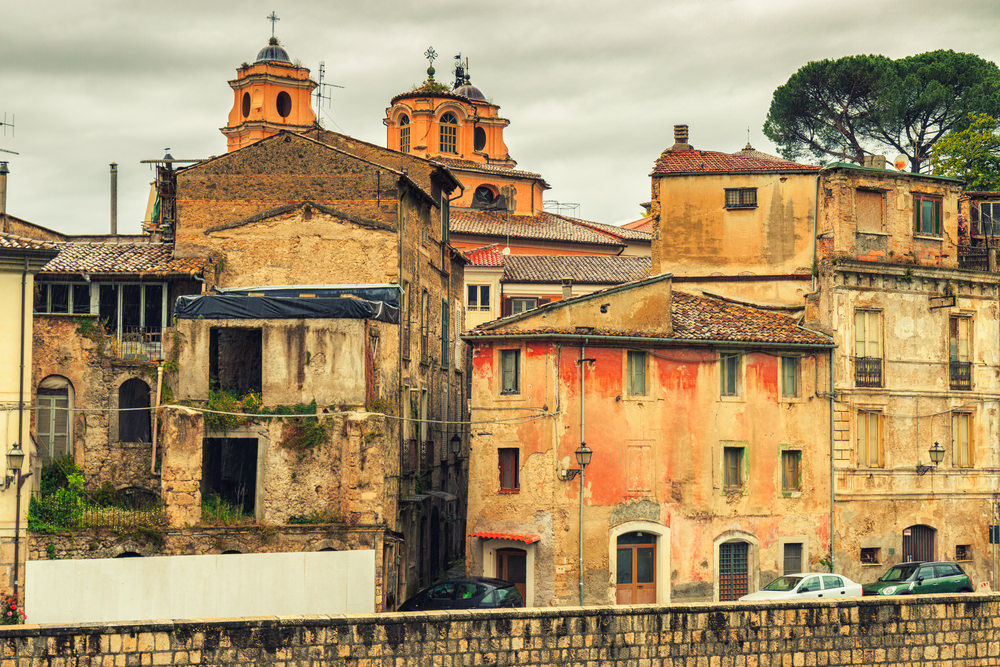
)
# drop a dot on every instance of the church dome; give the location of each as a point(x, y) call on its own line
point(273, 52)
point(470, 91)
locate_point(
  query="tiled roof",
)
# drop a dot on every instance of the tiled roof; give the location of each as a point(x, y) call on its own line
point(542, 227)
point(694, 318)
point(750, 151)
point(642, 224)
point(21, 243)
point(587, 269)
point(706, 162)
point(622, 232)
point(480, 166)
point(488, 255)
point(121, 258)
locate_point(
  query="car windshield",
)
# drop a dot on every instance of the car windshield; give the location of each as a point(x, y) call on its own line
point(898, 573)
point(783, 584)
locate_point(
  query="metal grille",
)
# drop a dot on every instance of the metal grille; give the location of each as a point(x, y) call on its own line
point(918, 543)
point(961, 374)
point(139, 343)
point(973, 257)
point(733, 570)
point(867, 371)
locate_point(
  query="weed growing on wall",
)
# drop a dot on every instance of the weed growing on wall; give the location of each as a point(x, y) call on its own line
point(218, 512)
point(304, 433)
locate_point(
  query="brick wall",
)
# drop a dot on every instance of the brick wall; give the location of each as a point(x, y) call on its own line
point(947, 631)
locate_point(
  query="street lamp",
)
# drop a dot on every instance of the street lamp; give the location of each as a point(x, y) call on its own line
point(456, 445)
point(583, 456)
point(15, 459)
point(936, 453)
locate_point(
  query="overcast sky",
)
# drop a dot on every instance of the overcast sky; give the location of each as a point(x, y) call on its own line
point(592, 89)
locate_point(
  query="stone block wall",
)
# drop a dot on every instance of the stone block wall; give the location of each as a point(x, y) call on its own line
point(947, 631)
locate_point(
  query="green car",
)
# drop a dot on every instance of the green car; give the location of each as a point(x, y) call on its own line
point(921, 579)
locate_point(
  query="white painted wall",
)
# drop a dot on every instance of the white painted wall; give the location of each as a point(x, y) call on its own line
point(214, 586)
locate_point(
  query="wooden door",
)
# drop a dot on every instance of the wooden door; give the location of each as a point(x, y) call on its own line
point(636, 569)
point(918, 543)
point(733, 579)
point(512, 567)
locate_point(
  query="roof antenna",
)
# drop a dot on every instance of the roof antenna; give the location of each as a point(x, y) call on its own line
point(461, 71)
point(321, 89)
point(4, 124)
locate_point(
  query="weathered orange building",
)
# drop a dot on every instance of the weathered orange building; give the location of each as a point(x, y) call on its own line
point(703, 418)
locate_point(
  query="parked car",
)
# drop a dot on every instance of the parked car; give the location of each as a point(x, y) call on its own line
point(920, 578)
point(807, 585)
point(473, 593)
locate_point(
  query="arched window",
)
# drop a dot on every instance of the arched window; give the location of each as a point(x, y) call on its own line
point(133, 415)
point(54, 418)
point(449, 133)
point(404, 134)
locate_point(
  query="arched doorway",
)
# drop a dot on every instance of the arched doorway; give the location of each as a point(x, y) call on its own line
point(635, 574)
point(918, 543)
point(134, 413)
point(734, 569)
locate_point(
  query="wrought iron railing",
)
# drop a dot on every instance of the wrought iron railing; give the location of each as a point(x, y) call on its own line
point(868, 371)
point(960, 373)
point(137, 344)
point(973, 257)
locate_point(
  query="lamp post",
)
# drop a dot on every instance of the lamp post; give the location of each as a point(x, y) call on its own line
point(936, 453)
point(15, 459)
point(583, 454)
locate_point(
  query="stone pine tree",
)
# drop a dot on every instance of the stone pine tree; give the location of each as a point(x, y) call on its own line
point(857, 105)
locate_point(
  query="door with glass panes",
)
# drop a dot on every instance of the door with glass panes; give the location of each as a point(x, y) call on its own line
point(636, 569)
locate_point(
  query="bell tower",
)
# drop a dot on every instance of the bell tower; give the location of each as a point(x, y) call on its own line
point(270, 95)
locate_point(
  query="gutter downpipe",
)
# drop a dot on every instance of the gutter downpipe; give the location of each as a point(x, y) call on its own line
point(832, 475)
point(156, 414)
point(815, 266)
point(20, 430)
point(583, 396)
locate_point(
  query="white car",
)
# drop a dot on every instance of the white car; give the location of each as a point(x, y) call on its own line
point(807, 585)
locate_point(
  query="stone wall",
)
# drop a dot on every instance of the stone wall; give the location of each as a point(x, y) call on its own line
point(947, 631)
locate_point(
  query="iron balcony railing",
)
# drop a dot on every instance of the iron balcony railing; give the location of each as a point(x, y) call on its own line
point(868, 371)
point(137, 344)
point(960, 373)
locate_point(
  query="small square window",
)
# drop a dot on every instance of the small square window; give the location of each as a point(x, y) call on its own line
point(741, 197)
point(871, 555)
point(789, 377)
point(729, 372)
point(635, 373)
point(963, 552)
point(791, 470)
point(509, 459)
point(510, 371)
point(522, 305)
point(732, 462)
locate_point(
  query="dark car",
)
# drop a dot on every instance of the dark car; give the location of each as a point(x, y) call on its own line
point(474, 593)
point(920, 579)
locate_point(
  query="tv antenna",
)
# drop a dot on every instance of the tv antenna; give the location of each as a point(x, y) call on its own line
point(5, 124)
point(322, 93)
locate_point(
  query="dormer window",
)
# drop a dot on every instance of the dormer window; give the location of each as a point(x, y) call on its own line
point(449, 133)
point(404, 134)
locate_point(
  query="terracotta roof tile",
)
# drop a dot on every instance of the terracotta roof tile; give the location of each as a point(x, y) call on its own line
point(622, 232)
point(21, 243)
point(488, 255)
point(459, 163)
point(542, 227)
point(704, 162)
point(121, 258)
point(586, 269)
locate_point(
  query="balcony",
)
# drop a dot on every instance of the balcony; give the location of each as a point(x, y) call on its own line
point(960, 374)
point(136, 344)
point(867, 371)
point(977, 258)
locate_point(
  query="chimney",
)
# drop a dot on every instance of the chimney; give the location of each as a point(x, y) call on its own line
point(681, 139)
point(114, 198)
point(567, 285)
point(878, 161)
point(3, 196)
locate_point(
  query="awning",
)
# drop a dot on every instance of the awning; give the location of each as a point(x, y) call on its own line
point(514, 537)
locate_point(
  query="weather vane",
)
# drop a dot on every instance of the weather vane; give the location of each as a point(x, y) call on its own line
point(273, 18)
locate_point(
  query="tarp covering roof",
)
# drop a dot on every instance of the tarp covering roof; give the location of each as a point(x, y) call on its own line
point(243, 307)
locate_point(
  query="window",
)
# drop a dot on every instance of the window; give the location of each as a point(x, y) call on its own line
point(792, 558)
point(791, 467)
point(284, 104)
point(869, 210)
point(404, 134)
point(479, 297)
point(635, 373)
point(868, 348)
point(522, 305)
point(68, 298)
point(869, 439)
point(136, 314)
point(963, 552)
point(985, 218)
point(729, 373)
point(871, 556)
point(959, 358)
point(732, 462)
point(235, 360)
point(449, 133)
point(229, 472)
point(425, 316)
point(789, 377)
point(479, 139)
point(134, 414)
point(509, 481)
point(53, 418)
point(961, 439)
point(741, 197)
point(445, 321)
point(510, 371)
point(926, 214)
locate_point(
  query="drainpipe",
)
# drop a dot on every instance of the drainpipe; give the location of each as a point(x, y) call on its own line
point(583, 412)
point(832, 477)
point(156, 412)
point(815, 264)
point(20, 429)
point(3, 196)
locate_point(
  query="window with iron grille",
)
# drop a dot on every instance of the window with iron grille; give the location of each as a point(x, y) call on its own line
point(871, 555)
point(741, 197)
point(791, 470)
point(963, 552)
point(509, 464)
point(868, 348)
point(926, 214)
point(449, 133)
point(959, 357)
point(869, 439)
point(635, 372)
point(792, 558)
